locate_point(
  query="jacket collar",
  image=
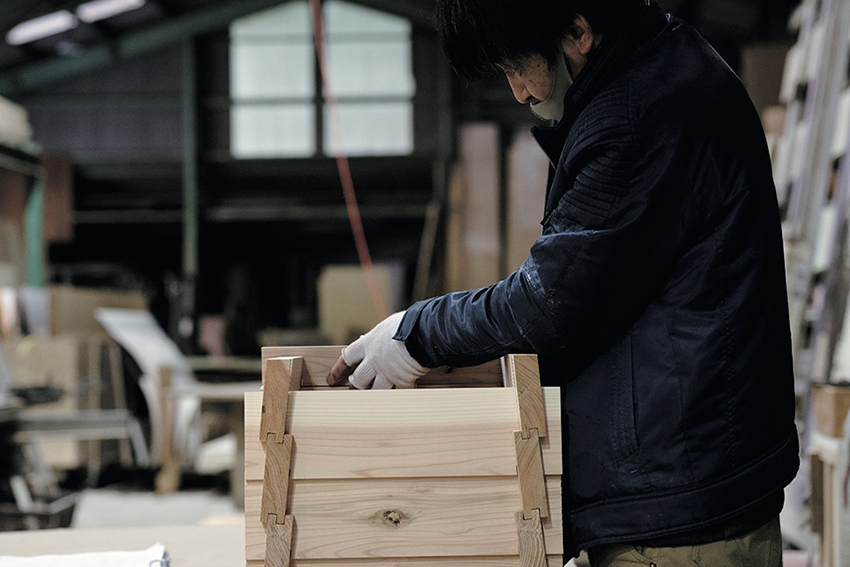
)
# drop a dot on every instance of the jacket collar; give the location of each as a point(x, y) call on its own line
point(603, 65)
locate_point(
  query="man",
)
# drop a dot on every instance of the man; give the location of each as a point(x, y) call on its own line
point(655, 297)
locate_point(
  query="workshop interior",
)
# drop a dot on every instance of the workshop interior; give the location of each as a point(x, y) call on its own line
point(198, 197)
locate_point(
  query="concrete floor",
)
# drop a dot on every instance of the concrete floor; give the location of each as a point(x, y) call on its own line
point(128, 506)
point(116, 507)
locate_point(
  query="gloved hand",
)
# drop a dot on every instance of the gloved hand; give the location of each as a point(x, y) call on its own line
point(379, 359)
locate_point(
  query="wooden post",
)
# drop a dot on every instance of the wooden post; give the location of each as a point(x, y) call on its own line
point(532, 551)
point(168, 478)
point(522, 373)
point(280, 375)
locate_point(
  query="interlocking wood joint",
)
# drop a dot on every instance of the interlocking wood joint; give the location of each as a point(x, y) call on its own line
point(280, 376)
point(532, 548)
point(279, 541)
point(532, 482)
point(276, 478)
point(387, 477)
point(523, 373)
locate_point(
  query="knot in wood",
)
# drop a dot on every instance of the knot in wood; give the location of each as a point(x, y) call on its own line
point(393, 517)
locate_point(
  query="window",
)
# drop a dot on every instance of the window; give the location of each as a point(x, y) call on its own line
point(278, 110)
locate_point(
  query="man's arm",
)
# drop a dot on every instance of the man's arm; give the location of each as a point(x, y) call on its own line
point(609, 244)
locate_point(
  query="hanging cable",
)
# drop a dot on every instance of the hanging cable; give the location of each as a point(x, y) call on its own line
point(343, 166)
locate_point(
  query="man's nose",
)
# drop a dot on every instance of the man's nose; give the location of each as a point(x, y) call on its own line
point(521, 93)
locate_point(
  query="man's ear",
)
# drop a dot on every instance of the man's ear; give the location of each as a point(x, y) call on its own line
point(580, 36)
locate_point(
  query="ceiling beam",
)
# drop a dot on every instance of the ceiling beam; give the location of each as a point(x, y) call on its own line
point(30, 77)
point(420, 12)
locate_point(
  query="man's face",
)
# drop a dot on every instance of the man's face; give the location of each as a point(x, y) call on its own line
point(531, 80)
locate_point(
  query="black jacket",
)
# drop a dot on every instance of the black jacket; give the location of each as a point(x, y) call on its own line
point(655, 297)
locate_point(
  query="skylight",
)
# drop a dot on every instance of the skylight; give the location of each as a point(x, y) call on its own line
point(97, 10)
point(41, 27)
point(63, 20)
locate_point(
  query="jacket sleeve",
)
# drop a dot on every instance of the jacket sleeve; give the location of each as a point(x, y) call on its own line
point(607, 245)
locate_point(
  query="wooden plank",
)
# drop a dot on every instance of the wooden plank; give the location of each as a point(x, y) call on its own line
point(58, 198)
point(554, 560)
point(523, 373)
point(527, 170)
point(480, 157)
point(276, 478)
point(530, 472)
point(831, 407)
point(368, 434)
point(532, 548)
point(279, 541)
point(168, 477)
point(816, 501)
point(280, 376)
point(458, 517)
point(318, 361)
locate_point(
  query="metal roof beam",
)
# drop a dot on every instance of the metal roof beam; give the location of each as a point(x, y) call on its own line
point(417, 11)
point(30, 77)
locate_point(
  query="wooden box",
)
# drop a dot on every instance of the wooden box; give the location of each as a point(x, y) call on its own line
point(426, 477)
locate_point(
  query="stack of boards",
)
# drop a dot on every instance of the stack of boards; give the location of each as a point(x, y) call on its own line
point(426, 477)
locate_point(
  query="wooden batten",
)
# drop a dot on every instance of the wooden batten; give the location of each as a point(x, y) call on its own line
point(522, 373)
point(276, 479)
point(318, 361)
point(279, 533)
point(532, 482)
point(532, 549)
point(522, 376)
point(280, 375)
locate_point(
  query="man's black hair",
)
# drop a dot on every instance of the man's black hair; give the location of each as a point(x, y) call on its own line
point(479, 34)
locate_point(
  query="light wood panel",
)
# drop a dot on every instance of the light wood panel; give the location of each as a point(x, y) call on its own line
point(554, 561)
point(367, 434)
point(318, 361)
point(409, 478)
point(459, 517)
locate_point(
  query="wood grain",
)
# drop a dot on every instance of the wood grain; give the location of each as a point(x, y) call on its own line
point(532, 485)
point(411, 478)
point(532, 549)
point(318, 361)
point(367, 434)
point(280, 376)
point(276, 478)
point(523, 373)
point(490, 561)
point(459, 517)
point(279, 538)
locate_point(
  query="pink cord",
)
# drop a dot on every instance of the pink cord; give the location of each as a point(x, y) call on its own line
point(344, 169)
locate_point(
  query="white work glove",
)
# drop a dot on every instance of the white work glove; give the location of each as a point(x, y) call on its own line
point(380, 360)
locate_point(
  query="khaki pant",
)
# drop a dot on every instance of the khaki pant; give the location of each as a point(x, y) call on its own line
point(759, 548)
